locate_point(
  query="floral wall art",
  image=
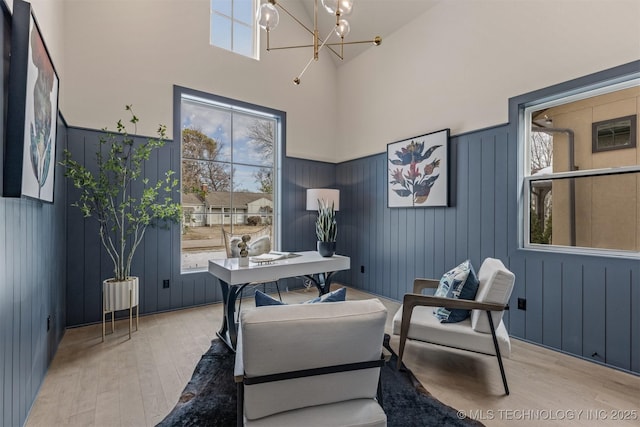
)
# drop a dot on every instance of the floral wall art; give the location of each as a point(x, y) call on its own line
point(418, 171)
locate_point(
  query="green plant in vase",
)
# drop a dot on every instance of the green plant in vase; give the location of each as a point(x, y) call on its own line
point(326, 228)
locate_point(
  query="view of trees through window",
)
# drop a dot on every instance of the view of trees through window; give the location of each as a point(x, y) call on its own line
point(228, 164)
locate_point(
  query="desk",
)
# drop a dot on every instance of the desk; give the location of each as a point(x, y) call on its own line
point(233, 279)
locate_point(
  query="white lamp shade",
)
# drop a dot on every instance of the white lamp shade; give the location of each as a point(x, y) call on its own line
point(329, 195)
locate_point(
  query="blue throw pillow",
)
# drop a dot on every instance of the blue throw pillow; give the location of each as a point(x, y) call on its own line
point(460, 282)
point(338, 295)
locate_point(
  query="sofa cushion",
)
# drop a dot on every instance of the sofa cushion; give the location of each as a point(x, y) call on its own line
point(460, 282)
point(305, 336)
point(352, 413)
point(496, 285)
point(425, 327)
point(338, 295)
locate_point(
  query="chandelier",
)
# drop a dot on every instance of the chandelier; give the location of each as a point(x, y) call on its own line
point(268, 18)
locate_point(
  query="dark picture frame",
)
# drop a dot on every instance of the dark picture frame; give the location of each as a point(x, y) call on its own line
point(418, 171)
point(32, 111)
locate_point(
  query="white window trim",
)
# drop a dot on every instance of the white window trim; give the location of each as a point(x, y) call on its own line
point(525, 177)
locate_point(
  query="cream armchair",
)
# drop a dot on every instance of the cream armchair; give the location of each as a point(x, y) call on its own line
point(483, 332)
point(311, 364)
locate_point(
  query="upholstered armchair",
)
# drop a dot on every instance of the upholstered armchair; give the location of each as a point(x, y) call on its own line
point(482, 332)
point(311, 364)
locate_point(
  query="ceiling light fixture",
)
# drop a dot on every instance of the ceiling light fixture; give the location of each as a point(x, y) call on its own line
point(268, 18)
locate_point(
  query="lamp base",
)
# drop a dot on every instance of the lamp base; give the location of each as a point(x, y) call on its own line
point(326, 249)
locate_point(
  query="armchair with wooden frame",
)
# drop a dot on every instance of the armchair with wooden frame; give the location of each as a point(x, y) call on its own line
point(482, 332)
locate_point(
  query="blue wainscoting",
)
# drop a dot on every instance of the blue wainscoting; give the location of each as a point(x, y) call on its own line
point(32, 293)
point(588, 306)
point(159, 256)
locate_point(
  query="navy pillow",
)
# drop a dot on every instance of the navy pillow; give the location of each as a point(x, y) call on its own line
point(460, 282)
point(338, 295)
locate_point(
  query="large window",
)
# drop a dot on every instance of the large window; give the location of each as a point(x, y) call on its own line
point(233, 26)
point(577, 196)
point(229, 174)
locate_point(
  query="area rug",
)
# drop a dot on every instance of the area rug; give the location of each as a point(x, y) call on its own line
point(210, 397)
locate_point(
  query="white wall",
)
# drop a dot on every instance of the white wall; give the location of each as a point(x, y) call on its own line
point(133, 52)
point(457, 65)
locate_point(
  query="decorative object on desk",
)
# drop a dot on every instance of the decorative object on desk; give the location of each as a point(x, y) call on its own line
point(209, 399)
point(260, 242)
point(105, 193)
point(418, 171)
point(326, 201)
point(32, 111)
point(243, 259)
point(269, 17)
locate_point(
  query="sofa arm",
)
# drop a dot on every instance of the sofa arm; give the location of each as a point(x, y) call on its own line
point(413, 300)
point(420, 284)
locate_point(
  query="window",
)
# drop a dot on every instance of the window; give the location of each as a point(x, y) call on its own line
point(614, 134)
point(229, 171)
point(233, 26)
point(582, 172)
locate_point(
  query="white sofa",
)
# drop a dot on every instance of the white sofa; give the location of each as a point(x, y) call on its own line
point(295, 350)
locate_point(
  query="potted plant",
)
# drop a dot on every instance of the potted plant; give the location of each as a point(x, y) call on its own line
point(123, 217)
point(326, 228)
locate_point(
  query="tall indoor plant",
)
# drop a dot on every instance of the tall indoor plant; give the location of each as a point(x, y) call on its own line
point(123, 216)
point(326, 228)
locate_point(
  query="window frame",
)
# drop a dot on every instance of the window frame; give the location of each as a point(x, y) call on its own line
point(255, 33)
point(279, 151)
point(525, 111)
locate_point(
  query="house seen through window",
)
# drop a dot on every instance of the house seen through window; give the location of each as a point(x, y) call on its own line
point(582, 171)
point(228, 175)
point(233, 26)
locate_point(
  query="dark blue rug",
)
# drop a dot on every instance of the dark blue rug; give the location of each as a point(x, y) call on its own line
point(210, 397)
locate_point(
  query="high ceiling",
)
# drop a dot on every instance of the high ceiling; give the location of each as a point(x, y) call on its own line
point(368, 19)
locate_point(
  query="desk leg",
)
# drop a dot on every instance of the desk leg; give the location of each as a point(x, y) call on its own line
point(323, 282)
point(228, 332)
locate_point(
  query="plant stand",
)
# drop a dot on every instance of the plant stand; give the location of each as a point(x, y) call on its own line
point(120, 296)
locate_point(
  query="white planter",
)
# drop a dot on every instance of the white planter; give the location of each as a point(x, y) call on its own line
point(243, 262)
point(117, 295)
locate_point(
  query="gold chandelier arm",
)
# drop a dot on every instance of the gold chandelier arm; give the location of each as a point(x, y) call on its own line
point(377, 41)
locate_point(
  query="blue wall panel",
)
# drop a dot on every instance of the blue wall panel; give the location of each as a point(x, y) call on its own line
point(573, 302)
point(32, 292)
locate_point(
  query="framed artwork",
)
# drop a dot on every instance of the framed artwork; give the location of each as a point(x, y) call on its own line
point(32, 113)
point(418, 171)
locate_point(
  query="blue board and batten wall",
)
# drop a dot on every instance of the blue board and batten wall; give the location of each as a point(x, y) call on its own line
point(32, 278)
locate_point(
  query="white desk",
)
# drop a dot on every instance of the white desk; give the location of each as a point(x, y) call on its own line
point(234, 278)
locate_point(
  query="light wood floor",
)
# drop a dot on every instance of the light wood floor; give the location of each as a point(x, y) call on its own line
point(136, 382)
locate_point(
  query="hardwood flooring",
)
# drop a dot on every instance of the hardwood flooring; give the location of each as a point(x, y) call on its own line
point(136, 382)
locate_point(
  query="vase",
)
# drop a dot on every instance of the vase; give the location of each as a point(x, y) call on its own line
point(243, 261)
point(120, 295)
point(327, 249)
point(117, 295)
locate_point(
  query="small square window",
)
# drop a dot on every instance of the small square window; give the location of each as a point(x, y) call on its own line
point(614, 134)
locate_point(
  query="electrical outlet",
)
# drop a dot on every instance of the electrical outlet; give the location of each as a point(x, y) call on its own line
point(522, 304)
point(362, 269)
point(165, 284)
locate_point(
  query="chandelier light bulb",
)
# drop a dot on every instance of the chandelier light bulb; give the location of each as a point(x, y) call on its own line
point(343, 28)
point(339, 7)
point(268, 17)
